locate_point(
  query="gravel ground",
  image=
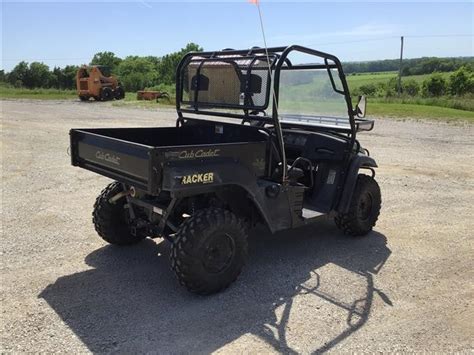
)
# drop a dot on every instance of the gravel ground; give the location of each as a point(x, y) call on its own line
point(408, 286)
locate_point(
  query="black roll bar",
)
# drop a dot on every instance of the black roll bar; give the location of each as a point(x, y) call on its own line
point(280, 61)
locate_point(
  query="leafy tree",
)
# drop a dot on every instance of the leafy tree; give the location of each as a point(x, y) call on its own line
point(136, 73)
point(169, 63)
point(19, 75)
point(69, 77)
point(435, 85)
point(55, 78)
point(461, 81)
point(65, 78)
point(3, 76)
point(106, 58)
point(155, 60)
point(38, 76)
point(33, 76)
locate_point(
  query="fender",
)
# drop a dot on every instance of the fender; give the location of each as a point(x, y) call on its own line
point(195, 179)
point(358, 162)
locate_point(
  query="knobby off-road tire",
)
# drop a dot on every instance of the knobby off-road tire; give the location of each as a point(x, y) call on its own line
point(111, 220)
point(209, 251)
point(106, 94)
point(364, 208)
point(119, 93)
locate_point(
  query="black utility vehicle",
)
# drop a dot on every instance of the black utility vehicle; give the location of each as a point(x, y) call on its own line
point(291, 157)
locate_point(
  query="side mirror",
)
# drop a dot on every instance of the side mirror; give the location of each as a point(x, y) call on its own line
point(361, 106)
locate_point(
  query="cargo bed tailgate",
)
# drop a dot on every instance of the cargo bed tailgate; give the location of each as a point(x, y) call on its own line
point(120, 160)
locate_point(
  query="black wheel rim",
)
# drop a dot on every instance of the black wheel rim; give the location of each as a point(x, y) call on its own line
point(365, 206)
point(219, 253)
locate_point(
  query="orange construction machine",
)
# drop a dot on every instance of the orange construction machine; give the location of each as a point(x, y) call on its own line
point(97, 82)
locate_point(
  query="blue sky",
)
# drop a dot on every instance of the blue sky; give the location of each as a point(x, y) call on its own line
point(64, 32)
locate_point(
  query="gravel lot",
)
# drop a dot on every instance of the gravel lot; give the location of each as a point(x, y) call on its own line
point(408, 286)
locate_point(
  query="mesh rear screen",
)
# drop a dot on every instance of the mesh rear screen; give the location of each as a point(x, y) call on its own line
point(226, 82)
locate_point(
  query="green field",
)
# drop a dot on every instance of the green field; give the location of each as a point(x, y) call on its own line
point(357, 80)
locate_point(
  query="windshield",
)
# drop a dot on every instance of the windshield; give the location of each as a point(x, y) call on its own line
point(309, 93)
point(104, 70)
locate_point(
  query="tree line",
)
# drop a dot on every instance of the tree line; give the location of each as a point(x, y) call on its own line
point(416, 66)
point(134, 72)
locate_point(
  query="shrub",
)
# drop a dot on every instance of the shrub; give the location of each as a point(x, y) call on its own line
point(368, 90)
point(461, 81)
point(435, 85)
point(381, 89)
point(392, 87)
point(410, 87)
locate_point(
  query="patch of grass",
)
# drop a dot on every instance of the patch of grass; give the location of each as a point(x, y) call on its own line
point(358, 80)
point(39, 94)
point(404, 110)
point(465, 103)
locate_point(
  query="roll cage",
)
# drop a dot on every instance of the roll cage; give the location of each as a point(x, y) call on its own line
point(237, 84)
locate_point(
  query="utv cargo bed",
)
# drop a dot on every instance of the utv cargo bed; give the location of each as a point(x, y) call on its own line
point(136, 156)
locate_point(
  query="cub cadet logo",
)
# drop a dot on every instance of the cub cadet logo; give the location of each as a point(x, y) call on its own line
point(107, 157)
point(200, 153)
point(206, 178)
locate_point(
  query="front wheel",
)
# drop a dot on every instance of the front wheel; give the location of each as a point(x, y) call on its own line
point(119, 93)
point(209, 251)
point(106, 94)
point(364, 209)
point(111, 219)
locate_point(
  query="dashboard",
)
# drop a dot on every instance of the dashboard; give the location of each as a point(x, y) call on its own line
point(314, 145)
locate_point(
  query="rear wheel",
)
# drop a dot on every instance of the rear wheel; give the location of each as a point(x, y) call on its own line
point(111, 219)
point(83, 98)
point(119, 93)
point(364, 209)
point(209, 251)
point(106, 94)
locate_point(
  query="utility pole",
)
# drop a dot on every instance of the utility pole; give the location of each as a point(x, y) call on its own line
point(400, 68)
